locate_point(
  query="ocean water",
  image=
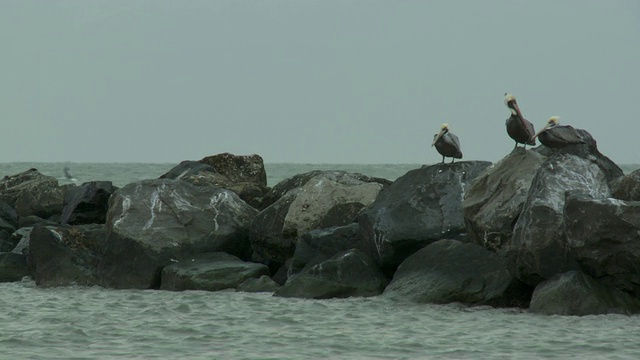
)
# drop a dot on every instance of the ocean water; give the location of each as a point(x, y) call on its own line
point(97, 323)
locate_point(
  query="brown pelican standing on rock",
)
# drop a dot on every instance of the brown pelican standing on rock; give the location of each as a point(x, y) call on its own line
point(518, 128)
point(447, 143)
point(554, 135)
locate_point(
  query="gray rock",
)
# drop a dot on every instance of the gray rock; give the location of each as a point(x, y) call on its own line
point(319, 245)
point(13, 187)
point(627, 187)
point(189, 168)
point(325, 200)
point(261, 284)
point(296, 181)
point(604, 236)
point(347, 274)
point(574, 293)
point(21, 238)
point(538, 247)
point(209, 271)
point(87, 203)
point(62, 256)
point(495, 199)
point(420, 207)
point(153, 221)
point(239, 168)
point(13, 267)
point(452, 271)
point(8, 215)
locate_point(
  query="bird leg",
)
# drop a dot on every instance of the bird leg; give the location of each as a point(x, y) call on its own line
point(442, 159)
point(452, 159)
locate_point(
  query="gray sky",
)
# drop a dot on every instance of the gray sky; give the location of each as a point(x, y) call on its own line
point(310, 81)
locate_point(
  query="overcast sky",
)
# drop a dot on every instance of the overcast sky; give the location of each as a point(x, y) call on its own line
point(310, 81)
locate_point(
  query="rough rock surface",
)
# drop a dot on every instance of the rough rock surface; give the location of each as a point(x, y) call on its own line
point(261, 284)
point(349, 273)
point(452, 271)
point(495, 199)
point(296, 181)
point(604, 236)
point(328, 199)
point(211, 272)
point(319, 245)
point(8, 217)
point(13, 267)
point(538, 246)
point(420, 207)
point(627, 187)
point(244, 175)
point(87, 203)
point(151, 222)
point(574, 293)
point(31, 181)
point(239, 168)
point(62, 256)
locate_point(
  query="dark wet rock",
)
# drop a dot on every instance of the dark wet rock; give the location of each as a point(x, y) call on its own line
point(8, 216)
point(452, 271)
point(627, 187)
point(209, 271)
point(326, 200)
point(538, 247)
point(62, 256)
point(495, 199)
point(319, 245)
point(574, 293)
point(261, 284)
point(6, 227)
point(244, 175)
point(189, 168)
point(87, 203)
point(282, 274)
point(151, 222)
point(296, 181)
point(604, 236)
point(420, 207)
point(347, 274)
point(6, 244)
point(13, 267)
point(31, 181)
point(239, 168)
point(588, 151)
point(33, 220)
point(46, 203)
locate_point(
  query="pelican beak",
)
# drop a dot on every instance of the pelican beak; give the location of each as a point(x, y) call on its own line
point(438, 137)
point(541, 131)
point(516, 108)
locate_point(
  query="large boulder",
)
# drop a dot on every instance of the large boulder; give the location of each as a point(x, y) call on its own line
point(211, 272)
point(244, 175)
point(319, 245)
point(627, 187)
point(496, 197)
point(604, 236)
point(62, 256)
point(574, 293)
point(13, 267)
point(87, 203)
point(239, 168)
point(452, 271)
point(151, 222)
point(349, 273)
point(13, 187)
point(32, 193)
point(330, 198)
point(538, 247)
point(8, 217)
point(420, 207)
point(255, 285)
point(299, 180)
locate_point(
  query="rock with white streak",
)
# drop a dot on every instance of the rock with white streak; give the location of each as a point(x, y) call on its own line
point(153, 223)
point(539, 247)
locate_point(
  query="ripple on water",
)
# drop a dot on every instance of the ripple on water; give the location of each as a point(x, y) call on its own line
point(98, 323)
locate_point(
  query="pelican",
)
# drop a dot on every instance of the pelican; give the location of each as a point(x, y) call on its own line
point(447, 144)
point(554, 135)
point(518, 128)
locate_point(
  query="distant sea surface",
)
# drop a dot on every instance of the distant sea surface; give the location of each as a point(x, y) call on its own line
point(97, 323)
